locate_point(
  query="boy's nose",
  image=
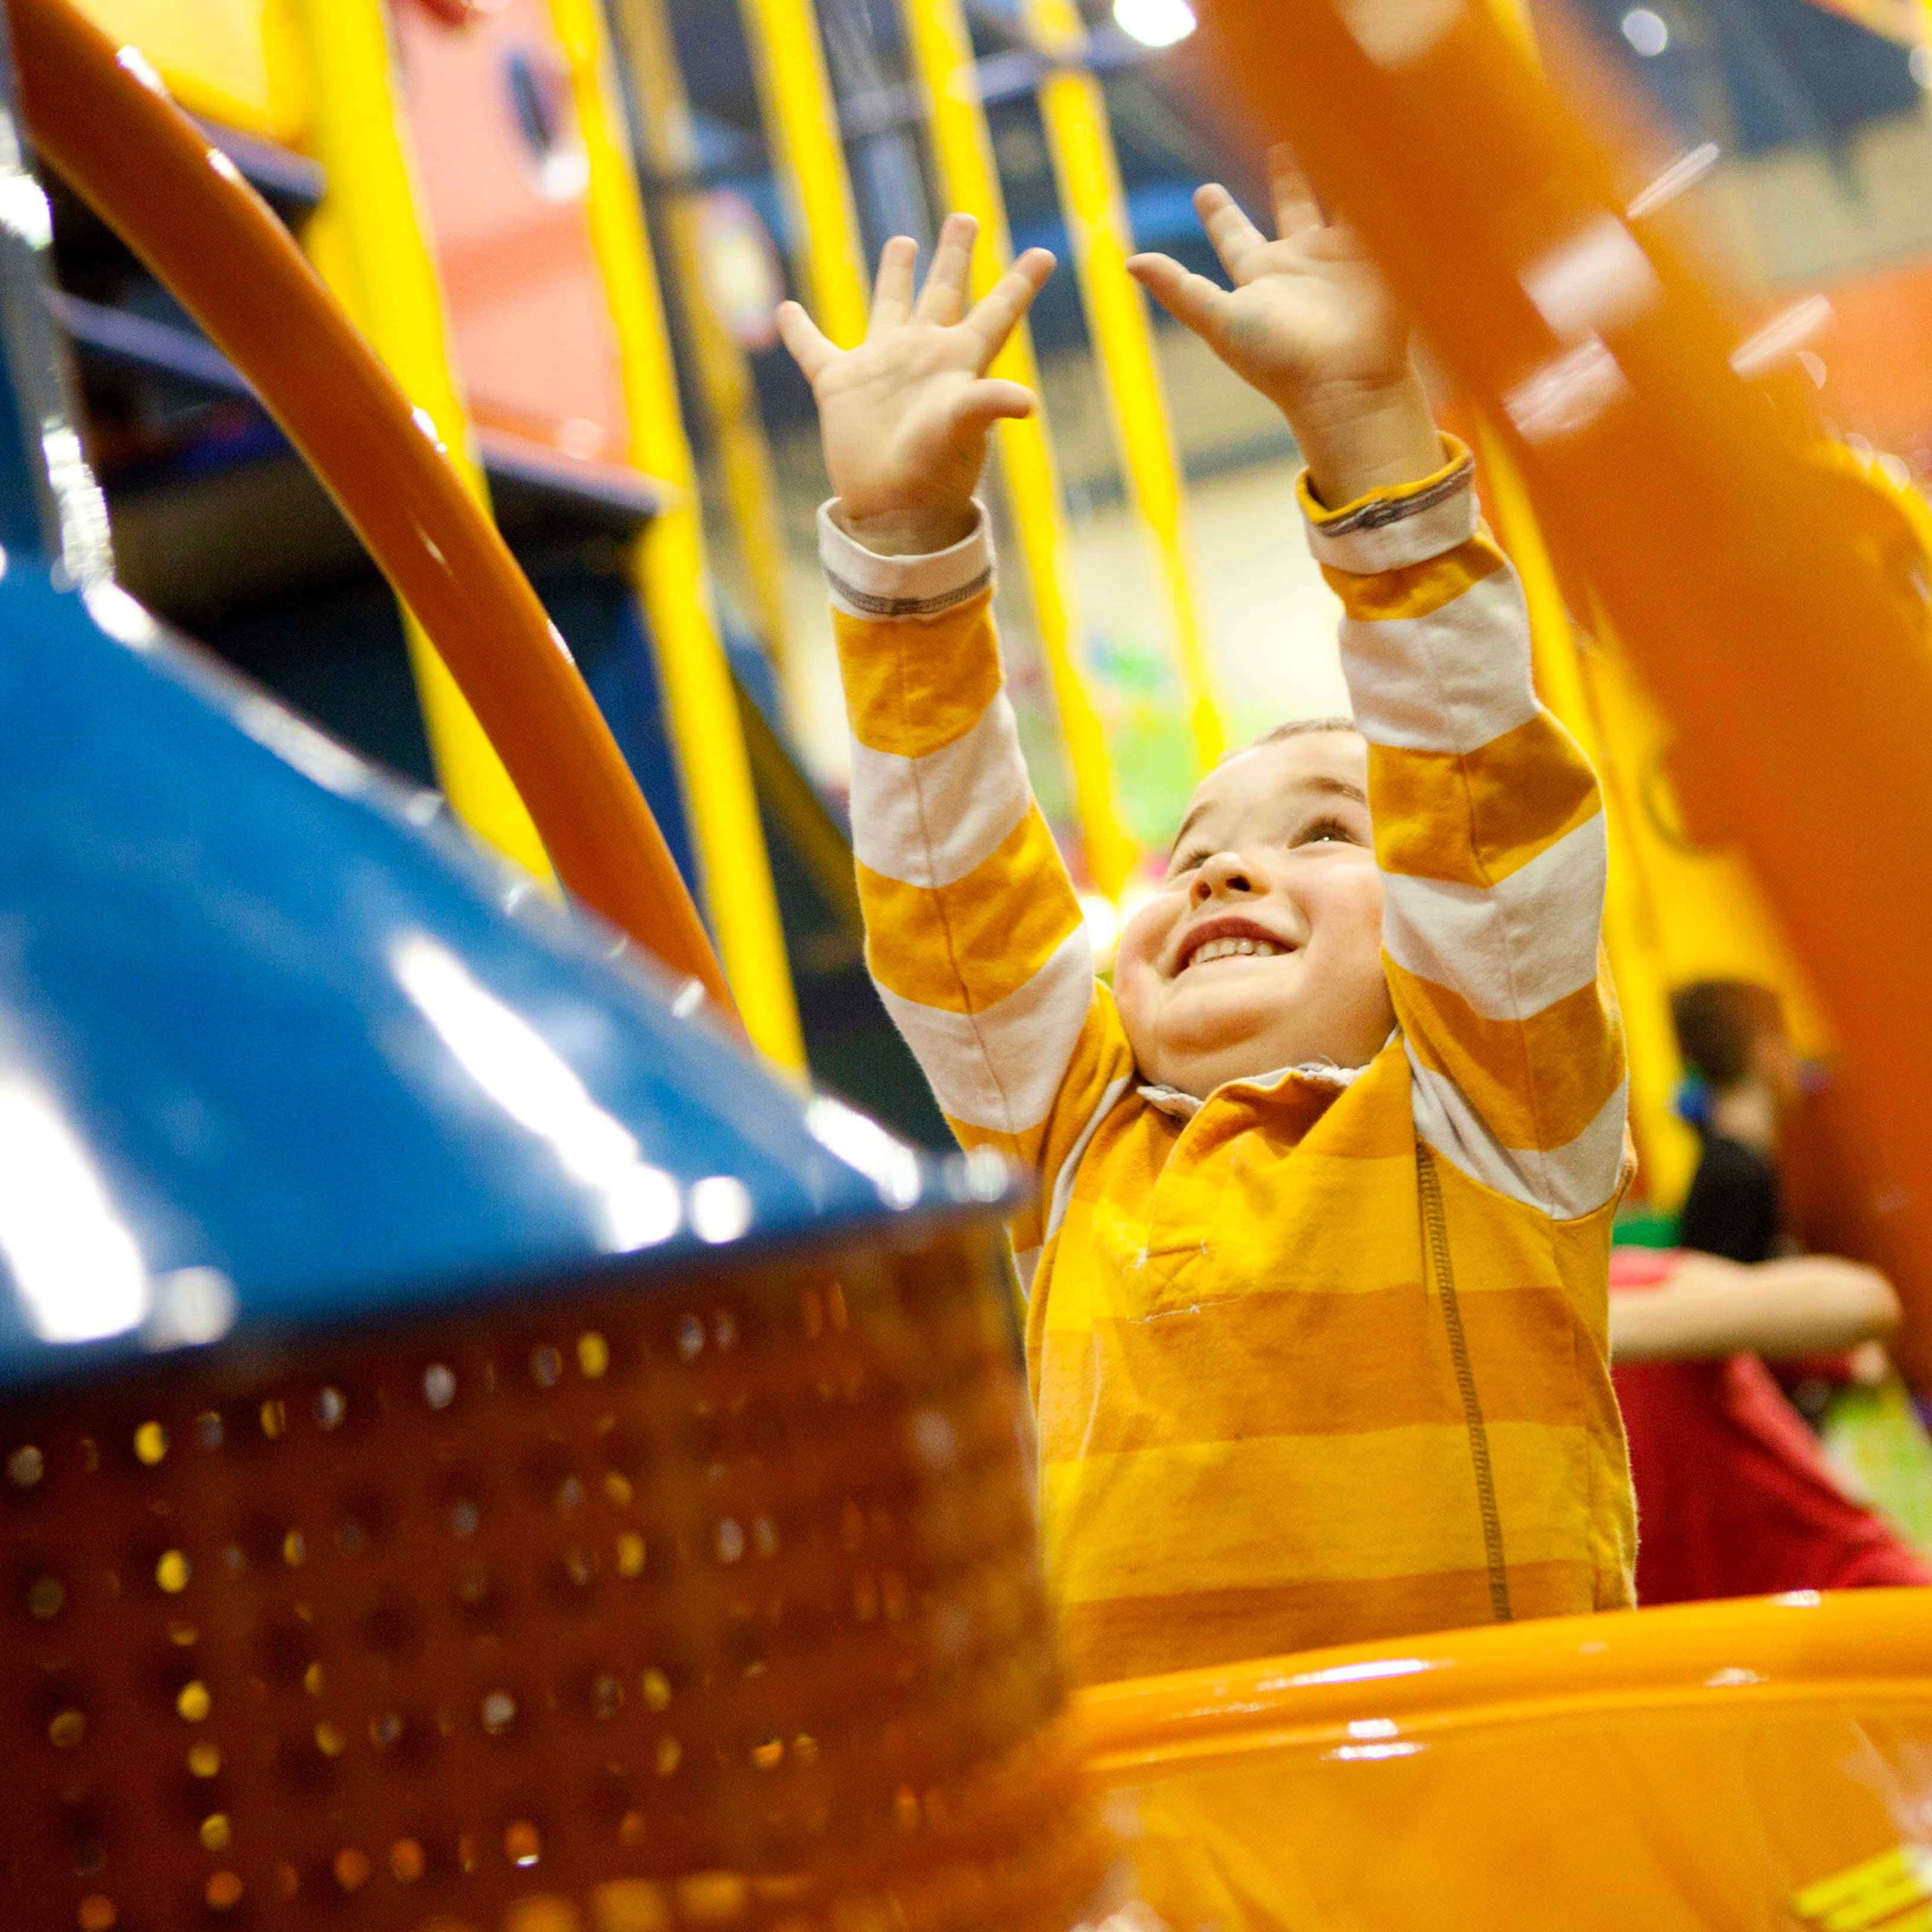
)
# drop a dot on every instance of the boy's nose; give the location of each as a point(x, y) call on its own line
point(1226, 873)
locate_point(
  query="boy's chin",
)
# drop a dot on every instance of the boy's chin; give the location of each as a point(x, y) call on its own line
point(1196, 1059)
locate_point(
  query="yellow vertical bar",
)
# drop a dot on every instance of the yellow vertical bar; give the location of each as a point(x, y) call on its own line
point(942, 56)
point(672, 568)
point(810, 159)
point(1669, 1146)
point(368, 242)
point(1080, 140)
point(744, 457)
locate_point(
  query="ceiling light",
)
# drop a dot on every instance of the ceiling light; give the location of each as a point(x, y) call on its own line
point(1646, 31)
point(1155, 23)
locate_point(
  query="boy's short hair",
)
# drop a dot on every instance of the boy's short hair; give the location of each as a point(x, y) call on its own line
point(1297, 727)
point(1719, 1023)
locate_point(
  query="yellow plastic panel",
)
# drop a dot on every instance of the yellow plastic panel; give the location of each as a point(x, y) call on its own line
point(234, 61)
point(1761, 1764)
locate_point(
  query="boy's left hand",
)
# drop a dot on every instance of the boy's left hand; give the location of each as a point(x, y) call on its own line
point(1312, 324)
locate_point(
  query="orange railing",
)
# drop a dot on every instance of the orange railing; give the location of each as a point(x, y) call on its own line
point(1751, 1763)
point(151, 174)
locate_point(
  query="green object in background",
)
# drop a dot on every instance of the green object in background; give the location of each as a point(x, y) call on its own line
point(1874, 1435)
point(1145, 714)
point(1644, 1229)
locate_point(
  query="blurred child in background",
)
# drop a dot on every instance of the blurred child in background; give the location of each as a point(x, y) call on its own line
point(1733, 1037)
point(1735, 1496)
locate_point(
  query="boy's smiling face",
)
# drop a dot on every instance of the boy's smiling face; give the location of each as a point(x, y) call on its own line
point(1262, 948)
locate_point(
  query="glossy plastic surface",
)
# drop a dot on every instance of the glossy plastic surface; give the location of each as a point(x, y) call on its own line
point(182, 207)
point(275, 1052)
point(1719, 1765)
point(1680, 482)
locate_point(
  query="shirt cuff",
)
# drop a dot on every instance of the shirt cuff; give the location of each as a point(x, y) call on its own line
point(864, 584)
point(1388, 530)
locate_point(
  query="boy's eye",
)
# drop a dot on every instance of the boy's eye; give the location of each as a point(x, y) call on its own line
point(1325, 830)
point(1186, 862)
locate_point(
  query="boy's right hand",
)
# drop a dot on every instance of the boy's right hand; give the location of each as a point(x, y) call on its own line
point(905, 415)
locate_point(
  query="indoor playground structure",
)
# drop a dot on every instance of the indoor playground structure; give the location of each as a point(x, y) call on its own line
point(511, 1417)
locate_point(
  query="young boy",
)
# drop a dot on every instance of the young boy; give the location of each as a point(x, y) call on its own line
point(1316, 1274)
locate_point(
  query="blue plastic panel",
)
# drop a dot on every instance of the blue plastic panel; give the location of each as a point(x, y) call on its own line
point(272, 1052)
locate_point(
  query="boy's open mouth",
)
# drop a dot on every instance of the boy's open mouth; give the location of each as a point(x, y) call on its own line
point(1229, 937)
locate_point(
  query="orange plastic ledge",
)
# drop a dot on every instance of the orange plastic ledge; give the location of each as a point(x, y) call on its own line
point(1806, 1645)
point(152, 175)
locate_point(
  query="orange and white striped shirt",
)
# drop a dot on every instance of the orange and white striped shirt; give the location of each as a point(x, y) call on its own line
point(1322, 1358)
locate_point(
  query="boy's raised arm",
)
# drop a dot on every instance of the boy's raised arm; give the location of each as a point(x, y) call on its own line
point(974, 934)
point(1489, 830)
point(1488, 825)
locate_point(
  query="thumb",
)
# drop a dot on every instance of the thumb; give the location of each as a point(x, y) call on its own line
point(990, 401)
point(808, 344)
point(1191, 299)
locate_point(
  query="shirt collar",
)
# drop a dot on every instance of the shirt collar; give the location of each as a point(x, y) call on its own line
point(1171, 1101)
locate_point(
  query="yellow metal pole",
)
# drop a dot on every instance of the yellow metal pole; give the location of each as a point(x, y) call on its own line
point(672, 569)
point(670, 146)
point(942, 56)
point(1080, 138)
point(810, 160)
point(368, 242)
point(1669, 1146)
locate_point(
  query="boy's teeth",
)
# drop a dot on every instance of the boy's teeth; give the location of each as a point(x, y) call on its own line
point(1229, 949)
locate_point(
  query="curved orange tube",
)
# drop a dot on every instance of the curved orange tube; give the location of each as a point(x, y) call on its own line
point(1750, 600)
point(180, 204)
point(1804, 1645)
point(1726, 1764)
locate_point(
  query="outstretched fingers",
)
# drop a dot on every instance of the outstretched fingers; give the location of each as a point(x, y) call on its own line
point(808, 344)
point(892, 294)
point(1000, 311)
point(943, 300)
point(1191, 299)
point(1236, 239)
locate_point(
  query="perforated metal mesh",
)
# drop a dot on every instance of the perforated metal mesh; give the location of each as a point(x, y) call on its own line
point(619, 1612)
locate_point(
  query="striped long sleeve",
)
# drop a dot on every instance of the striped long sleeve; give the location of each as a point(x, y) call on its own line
point(1489, 830)
point(973, 933)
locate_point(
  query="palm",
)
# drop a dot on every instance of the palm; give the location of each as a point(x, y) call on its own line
point(904, 415)
point(1307, 310)
point(889, 411)
point(1312, 305)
